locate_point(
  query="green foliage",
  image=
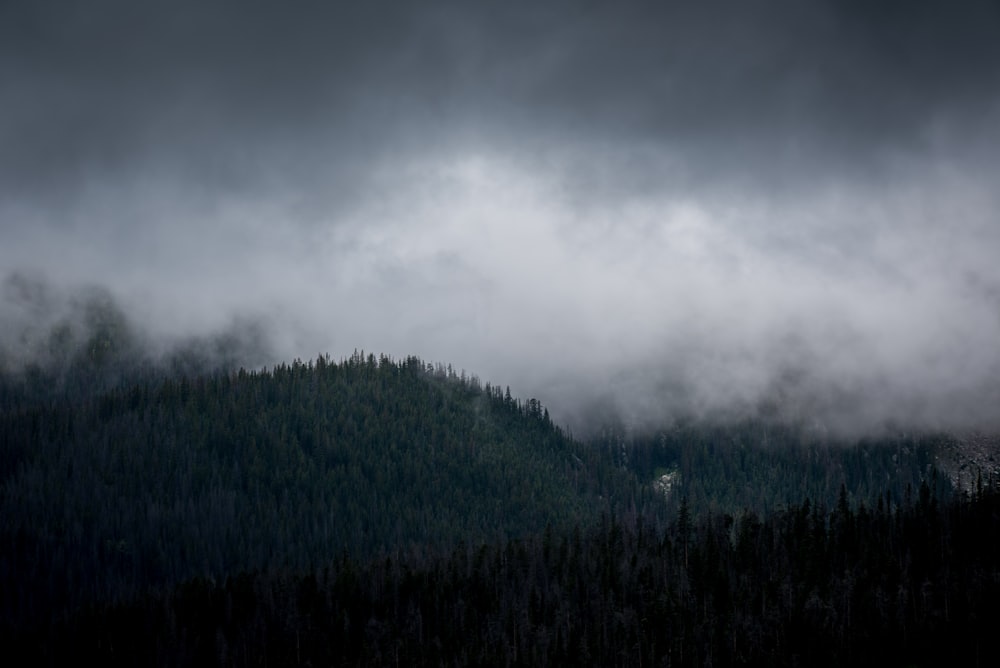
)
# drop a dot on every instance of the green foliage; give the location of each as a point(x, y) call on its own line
point(915, 585)
point(165, 480)
point(766, 467)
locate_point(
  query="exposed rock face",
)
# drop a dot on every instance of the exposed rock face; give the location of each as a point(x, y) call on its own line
point(666, 482)
point(969, 458)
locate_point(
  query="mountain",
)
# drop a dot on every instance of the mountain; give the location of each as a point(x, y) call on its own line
point(183, 507)
point(162, 480)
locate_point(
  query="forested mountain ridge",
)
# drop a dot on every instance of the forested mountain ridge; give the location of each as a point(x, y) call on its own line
point(162, 480)
point(178, 508)
point(373, 509)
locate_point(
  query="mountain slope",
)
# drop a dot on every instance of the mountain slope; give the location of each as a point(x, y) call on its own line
point(161, 481)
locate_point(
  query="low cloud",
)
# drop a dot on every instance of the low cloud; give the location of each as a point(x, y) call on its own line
point(664, 210)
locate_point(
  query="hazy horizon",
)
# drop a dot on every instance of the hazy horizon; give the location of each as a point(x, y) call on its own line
point(671, 208)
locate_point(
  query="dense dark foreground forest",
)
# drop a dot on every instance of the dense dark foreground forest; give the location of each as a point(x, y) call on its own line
point(898, 585)
point(382, 512)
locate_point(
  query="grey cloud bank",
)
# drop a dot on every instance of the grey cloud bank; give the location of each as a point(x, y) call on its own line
point(675, 207)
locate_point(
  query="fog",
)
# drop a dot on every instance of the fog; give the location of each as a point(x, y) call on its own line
point(655, 209)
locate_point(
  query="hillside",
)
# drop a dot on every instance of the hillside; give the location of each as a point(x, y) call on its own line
point(373, 509)
point(767, 466)
point(169, 505)
point(159, 481)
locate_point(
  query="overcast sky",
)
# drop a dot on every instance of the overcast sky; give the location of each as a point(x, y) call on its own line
point(674, 206)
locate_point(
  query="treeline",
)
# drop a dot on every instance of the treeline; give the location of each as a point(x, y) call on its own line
point(160, 481)
point(911, 582)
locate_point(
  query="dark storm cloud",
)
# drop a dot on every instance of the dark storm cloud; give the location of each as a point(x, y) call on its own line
point(237, 92)
point(704, 205)
point(231, 94)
